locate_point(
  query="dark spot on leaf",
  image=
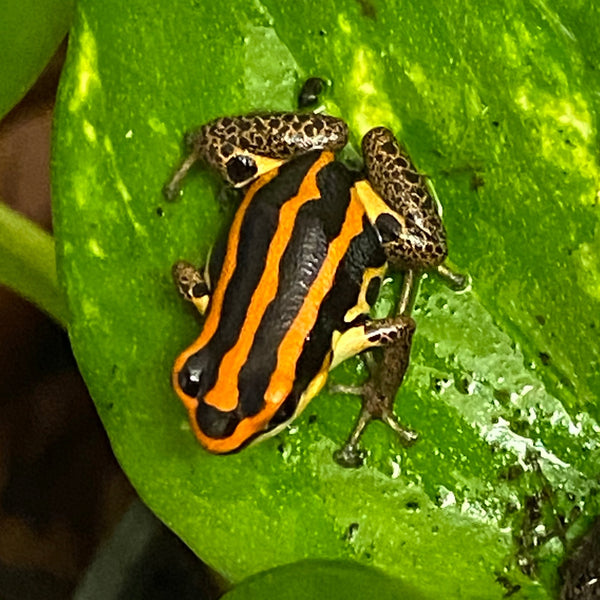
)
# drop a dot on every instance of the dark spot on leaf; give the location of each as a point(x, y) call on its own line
point(477, 182)
point(462, 385)
point(351, 532)
point(503, 396)
point(545, 358)
point(511, 588)
point(438, 384)
point(367, 9)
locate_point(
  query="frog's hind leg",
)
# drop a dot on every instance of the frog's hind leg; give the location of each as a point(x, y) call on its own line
point(402, 208)
point(413, 233)
point(386, 375)
point(378, 395)
point(243, 148)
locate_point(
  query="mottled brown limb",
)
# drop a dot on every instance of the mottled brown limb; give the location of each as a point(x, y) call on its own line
point(233, 146)
point(418, 239)
point(455, 281)
point(379, 392)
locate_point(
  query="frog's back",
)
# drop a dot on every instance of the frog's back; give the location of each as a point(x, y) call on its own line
point(292, 269)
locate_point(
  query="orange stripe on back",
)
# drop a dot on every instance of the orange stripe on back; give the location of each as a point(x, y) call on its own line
point(292, 344)
point(225, 394)
point(216, 302)
point(282, 380)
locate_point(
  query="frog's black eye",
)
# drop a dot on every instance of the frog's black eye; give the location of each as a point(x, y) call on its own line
point(189, 377)
point(240, 168)
point(199, 290)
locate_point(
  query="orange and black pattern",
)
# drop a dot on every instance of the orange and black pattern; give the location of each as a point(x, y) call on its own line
point(293, 266)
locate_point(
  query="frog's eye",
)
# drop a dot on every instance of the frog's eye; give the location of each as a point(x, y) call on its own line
point(190, 376)
point(241, 168)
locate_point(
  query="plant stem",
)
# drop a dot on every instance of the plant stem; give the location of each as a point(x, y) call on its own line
point(28, 265)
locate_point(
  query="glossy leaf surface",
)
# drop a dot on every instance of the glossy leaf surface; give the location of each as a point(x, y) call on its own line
point(499, 106)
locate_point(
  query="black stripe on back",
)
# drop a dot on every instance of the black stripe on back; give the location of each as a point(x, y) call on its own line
point(256, 232)
point(364, 252)
point(317, 224)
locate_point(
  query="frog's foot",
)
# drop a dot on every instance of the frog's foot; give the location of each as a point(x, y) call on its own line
point(379, 392)
point(374, 406)
point(457, 282)
point(172, 189)
point(310, 92)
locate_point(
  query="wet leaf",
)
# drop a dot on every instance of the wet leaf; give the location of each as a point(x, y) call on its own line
point(499, 106)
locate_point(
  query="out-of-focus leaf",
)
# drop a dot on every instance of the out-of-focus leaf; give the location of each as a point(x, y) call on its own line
point(335, 580)
point(30, 31)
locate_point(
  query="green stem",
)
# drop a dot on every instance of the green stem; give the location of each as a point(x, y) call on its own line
point(28, 265)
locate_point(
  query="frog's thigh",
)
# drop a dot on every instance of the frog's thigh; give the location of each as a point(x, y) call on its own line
point(246, 147)
point(375, 206)
point(372, 334)
point(416, 240)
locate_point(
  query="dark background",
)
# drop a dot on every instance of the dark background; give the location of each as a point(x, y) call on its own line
point(61, 489)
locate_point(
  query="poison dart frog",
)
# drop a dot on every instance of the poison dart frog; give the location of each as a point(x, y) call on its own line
point(287, 294)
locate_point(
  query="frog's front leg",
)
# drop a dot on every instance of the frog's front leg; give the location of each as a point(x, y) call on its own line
point(245, 147)
point(412, 232)
point(192, 284)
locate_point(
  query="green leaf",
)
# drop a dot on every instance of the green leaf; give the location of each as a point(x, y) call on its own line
point(30, 32)
point(498, 105)
point(28, 264)
point(335, 580)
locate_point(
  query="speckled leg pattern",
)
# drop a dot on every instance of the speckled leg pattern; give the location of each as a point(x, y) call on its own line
point(417, 240)
point(191, 284)
point(236, 146)
point(379, 392)
point(414, 240)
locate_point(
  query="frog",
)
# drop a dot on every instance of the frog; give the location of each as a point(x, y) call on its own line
point(286, 295)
